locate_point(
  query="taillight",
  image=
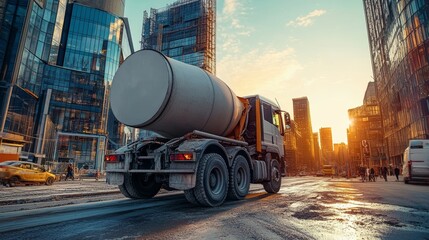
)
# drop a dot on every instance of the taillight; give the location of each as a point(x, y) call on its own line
point(113, 158)
point(182, 157)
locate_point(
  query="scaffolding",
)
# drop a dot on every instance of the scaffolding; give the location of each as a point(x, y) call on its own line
point(184, 30)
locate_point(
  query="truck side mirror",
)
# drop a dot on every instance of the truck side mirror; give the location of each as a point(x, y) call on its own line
point(286, 116)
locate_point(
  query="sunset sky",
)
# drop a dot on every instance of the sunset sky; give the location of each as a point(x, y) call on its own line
point(284, 49)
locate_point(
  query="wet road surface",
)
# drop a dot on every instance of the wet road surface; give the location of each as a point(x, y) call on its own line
point(305, 208)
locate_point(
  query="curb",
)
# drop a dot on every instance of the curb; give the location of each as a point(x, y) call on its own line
point(55, 197)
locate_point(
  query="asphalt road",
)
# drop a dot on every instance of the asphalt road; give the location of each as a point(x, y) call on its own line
point(305, 208)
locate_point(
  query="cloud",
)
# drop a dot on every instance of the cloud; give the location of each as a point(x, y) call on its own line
point(307, 20)
point(262, 71)
point(229, 7)
point(230, 26)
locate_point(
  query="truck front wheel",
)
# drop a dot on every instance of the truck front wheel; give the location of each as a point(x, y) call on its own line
point(273, 186)
point(239, 179)
point(139, 186)
point(211, 186)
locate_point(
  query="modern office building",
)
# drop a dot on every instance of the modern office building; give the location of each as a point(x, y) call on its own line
point(398, 33)
point(301, 113)
point(317, 151)
point(184, 30)
point(365, 133)
point(57, 60)
point(326, 145)
point(292, 154)
point(341, 159)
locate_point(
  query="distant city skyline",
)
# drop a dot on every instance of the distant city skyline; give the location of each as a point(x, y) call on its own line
point(289, 49)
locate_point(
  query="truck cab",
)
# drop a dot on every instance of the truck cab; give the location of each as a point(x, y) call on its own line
point(266, 127)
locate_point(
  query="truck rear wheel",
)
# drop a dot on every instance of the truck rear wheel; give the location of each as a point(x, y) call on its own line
point(211, 187)
point(239, 179)
point(124, 191)
point(273, 186)
point(138, 186)
point(190, 196)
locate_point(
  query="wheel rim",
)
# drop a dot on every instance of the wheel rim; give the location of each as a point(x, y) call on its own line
point(276, 174)
point(241, 178)
point(215, 181)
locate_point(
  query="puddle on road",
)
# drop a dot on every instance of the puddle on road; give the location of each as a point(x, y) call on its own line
point(343, 212)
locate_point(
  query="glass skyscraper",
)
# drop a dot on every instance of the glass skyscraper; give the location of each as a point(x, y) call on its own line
point(398, 32)
point(302, 117)
point(58, 59)
point(184, 30)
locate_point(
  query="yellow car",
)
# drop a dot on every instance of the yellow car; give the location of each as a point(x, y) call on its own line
point(15, 172)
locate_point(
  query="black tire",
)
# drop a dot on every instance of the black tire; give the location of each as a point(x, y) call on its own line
point(211, 187)
point(13, 181)
point(124, 191)
point(273, 186)
point(239, 179)
point(49, 181)
point(406, 180)
point(190, 196)
point(136, 186)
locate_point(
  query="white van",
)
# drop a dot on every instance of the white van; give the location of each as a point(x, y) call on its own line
point(416, 161)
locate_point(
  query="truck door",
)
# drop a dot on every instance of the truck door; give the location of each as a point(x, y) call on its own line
point(269, 136)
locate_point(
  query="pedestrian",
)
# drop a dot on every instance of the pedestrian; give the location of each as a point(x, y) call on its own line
point(367, 173)
point(70, 173)
point(384, 172)
point(397, 173)
point(362, 173)
point(372, 175)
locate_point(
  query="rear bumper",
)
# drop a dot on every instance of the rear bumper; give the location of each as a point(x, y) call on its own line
point(420, 172)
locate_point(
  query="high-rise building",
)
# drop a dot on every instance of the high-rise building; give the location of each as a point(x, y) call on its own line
point(326, 145)
point(341, 159)
point(57, 60)
point(365, 133)
point(301, 113)
point(184, 30)
point(398, 33)
point(292, 154)
point(317, 151)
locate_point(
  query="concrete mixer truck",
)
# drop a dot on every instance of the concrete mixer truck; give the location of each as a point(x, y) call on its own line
point(212, 144)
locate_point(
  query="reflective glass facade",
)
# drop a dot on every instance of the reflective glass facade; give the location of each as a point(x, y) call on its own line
point(17, 113)
point(366, 126)
point(185, 31)
point(398, 32)
point(301, 115)
point(74, 50)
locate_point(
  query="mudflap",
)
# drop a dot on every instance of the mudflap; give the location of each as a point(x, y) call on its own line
point(115, 178)
point(182, 181)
